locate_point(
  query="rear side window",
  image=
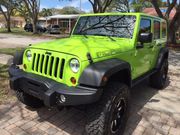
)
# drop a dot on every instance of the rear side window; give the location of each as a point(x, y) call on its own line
point(156, 30)
point(145, 26)
point(164, 29)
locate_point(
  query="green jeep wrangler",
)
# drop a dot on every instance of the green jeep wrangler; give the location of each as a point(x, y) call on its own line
point(104, 57)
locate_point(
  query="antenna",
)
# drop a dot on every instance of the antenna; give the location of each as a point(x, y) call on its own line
point(80, 6)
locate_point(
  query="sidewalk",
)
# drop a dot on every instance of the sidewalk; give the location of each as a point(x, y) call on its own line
point(5, 59)
point(14, 41)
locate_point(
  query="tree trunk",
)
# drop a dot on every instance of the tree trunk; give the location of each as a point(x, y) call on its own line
point(172, 35)
point(8, 25)
point(34, 27)
point(99, 6)
point(7, 18)
point(173, 27)
point(26, 19)
point(34, 22)
point(95, 10)
point(9, 22)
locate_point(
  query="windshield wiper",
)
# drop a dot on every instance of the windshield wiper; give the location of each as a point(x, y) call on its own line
point(110, 37)
point(84, 35)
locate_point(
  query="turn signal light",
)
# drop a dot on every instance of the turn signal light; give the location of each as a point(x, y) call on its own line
point(73, 80)
point(24, 66)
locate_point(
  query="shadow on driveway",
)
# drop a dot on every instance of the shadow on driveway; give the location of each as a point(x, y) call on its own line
point(73, 120)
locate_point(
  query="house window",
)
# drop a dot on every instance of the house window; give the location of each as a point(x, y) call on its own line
point(64, 23)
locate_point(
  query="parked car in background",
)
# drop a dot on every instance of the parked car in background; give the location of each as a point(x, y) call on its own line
point(29, 28)
point(53, 29)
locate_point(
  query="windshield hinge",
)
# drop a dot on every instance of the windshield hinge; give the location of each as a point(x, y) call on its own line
point(89, 58)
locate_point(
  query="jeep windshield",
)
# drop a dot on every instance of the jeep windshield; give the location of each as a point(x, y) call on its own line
point(121, 26)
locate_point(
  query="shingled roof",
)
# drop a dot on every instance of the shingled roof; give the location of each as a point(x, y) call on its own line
point(152, 11)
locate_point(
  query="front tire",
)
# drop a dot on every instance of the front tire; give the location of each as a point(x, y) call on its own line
point(28, 99)
point(109, 115)
point(158, 80)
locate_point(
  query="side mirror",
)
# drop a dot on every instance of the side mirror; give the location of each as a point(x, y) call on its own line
point(145, 37)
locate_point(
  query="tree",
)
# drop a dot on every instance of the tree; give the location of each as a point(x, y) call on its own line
point(120, 6)
point(70, 10)
point(46, 12)
point(21, 10)
point(33, 7)
point(128, 5)
point(100, 6)
point(55, 11)
point(138, 5)
point(173, 25)
point(9, 6)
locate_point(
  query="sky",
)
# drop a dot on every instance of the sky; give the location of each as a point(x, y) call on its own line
point(62, 3)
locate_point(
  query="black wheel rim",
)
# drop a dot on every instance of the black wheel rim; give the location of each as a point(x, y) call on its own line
point(117, 116)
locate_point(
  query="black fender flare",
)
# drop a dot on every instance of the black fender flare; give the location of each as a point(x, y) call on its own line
point(164, 52)
point(97, 74)
point(18, 57)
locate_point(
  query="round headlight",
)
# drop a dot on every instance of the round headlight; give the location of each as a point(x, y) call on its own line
point(29, 55)
point(74, 65)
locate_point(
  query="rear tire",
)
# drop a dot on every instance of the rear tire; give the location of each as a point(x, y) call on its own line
point(28, 99)
point(109, 115)
point(158, 80)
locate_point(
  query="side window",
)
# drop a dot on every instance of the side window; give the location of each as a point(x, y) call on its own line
point(164, 29)
point(156, 30)
point(145, 26)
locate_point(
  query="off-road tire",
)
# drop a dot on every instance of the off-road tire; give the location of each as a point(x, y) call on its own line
point(158, 79)
point(28, 99)
point(100, 114)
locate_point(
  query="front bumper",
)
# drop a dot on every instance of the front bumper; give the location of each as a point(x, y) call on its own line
point(50, 91)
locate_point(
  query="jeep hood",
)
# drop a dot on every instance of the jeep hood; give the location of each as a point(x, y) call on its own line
point(79, 46)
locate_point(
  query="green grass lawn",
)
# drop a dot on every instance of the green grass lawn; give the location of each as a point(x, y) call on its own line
point(6, 95)
point(9, 51)
point(19, 31)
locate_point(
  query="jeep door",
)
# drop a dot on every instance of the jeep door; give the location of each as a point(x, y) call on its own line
point(159, 39)
point(142, 49)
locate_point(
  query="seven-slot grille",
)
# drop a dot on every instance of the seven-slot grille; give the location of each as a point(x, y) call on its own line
point(48, 65)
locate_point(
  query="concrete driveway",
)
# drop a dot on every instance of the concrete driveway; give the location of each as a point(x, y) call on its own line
point(13, 41)
point(17, 41)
